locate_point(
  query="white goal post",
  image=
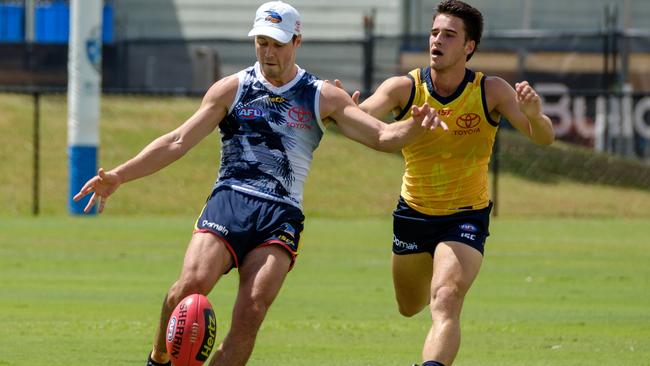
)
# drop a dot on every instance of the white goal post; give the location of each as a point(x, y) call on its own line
point(84, 92)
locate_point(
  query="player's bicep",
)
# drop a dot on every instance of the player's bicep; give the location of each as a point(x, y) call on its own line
point(353, 122)
point(220, 97)
point(378, 105)
point(390, 98)
point(213, 109)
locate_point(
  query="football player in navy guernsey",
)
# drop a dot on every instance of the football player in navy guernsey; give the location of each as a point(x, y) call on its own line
point(270, 117)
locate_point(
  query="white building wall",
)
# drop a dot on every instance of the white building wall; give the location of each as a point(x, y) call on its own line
point(204, 19)
point(553, 14)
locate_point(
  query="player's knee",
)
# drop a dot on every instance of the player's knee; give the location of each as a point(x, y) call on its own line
point(253, 311)
point(409, 309)
point(447, 299)
point(183, 288)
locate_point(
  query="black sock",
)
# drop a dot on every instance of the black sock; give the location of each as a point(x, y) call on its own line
point(151, 362)
point(433, 363)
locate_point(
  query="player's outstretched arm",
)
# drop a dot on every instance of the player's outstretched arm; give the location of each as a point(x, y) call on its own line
point(522, 107)
point(165, 149)
point(361, 127)
point(388, 100)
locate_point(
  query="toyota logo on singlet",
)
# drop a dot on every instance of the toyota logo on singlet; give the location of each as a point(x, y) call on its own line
point(300, 114)
point(468, 120)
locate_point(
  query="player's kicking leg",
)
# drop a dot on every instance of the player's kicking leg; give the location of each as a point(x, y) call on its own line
point(206, 259)
point(261, 277)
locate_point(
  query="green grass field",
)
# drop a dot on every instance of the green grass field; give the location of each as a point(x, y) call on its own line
point(79, 291)
point(347, 179)
point(566, 279)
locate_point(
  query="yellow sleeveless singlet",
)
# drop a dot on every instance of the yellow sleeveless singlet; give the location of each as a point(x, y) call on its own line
point(446, 172)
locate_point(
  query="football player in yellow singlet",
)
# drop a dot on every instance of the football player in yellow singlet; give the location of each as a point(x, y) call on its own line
point(441, 220)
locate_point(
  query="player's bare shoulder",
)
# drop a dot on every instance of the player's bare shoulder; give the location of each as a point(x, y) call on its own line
point(391, 97)
point(223, 88)
point(496, 85)
point(397, 87)
point(221, 95)
point(496, 91)
point(332, 98)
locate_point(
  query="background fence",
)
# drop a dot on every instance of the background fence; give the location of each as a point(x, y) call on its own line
point(596, 83)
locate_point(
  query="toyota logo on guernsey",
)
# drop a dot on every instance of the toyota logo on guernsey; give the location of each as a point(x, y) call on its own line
point(468, 120)
point(299, 117)
point(249, 113)
point(468, 124)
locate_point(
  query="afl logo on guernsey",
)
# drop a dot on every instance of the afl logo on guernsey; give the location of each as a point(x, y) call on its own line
point(468, 120)
point(249, 113)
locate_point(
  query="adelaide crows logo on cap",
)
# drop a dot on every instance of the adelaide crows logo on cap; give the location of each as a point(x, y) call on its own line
point(273, 17)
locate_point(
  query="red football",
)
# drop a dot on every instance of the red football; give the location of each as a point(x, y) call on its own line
point(191, 331)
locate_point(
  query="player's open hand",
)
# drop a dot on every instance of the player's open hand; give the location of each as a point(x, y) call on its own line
point(529, 101)
point(427, 117)
point(101, 186)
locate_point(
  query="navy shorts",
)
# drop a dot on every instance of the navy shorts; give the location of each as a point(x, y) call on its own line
point(415, 232)
point(246, 222)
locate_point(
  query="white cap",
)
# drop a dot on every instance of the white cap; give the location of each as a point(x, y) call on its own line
point(277, 20)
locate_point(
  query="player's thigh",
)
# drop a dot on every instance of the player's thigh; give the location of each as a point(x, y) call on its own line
point(206, 259)
point(455, 265)
point(412, 278)
point(262, 274)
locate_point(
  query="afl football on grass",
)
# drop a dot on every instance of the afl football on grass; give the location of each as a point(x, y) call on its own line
point(191, 331)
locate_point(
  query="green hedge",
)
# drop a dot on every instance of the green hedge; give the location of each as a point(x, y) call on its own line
point(516, 154)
